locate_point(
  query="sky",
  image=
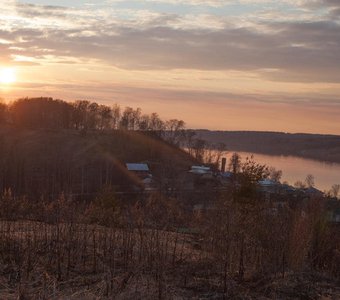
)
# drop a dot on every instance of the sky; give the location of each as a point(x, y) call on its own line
point(228, 65)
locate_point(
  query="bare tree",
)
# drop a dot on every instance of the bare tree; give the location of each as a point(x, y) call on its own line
point(199, 149)
point(136, 115)
point(144, 122)
point(235, 163)
point(116, 114)
point(274, 174)
point(254, 171)
point(92, 121)
point(105, 116)
point(174, 131)
point(189, 141)
point(80, 114)
point(127, 116)
point(335, 190)
point(220, 150)
point(3, 111)
point(156, 124)
point(299, 184)
point(310, 181)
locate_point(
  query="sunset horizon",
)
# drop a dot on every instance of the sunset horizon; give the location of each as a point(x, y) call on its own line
point(170, 149)
point(219, 65)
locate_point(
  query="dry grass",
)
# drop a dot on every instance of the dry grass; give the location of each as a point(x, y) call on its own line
point(238, 251)
point(82, 261)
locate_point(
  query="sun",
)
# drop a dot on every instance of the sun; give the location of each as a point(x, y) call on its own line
point(7, 75)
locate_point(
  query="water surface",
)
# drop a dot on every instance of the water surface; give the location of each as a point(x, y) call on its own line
point(295, 168)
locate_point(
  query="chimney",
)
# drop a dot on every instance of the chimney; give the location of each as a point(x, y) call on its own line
point(224, 162)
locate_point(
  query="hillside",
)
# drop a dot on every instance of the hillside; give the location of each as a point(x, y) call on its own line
point(47, 162)
point(313, 146)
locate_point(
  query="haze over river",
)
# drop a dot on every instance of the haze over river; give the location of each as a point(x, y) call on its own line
point(296, 168)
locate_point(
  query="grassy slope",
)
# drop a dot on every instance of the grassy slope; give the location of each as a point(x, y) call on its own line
point(58, 158)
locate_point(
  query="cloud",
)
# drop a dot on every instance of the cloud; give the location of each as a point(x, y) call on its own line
point(308, 50)
point(287, 49)
point(213, 3)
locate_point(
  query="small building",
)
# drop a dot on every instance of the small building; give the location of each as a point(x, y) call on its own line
point(200, 170)
point(268, 186)
point(227, 175)
point(142, 172)
point(287, 189)
point(138, 167)
point(334, 216)
point(313, 192)
point(203, 176)
point(333, 211)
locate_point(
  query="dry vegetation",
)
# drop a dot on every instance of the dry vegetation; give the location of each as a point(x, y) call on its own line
point(153, 245)
point(239, 250)
point(48, 147)
point(46, 163)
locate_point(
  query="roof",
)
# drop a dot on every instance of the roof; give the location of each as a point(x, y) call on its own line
point(313, 191)
point(137, 167)
point(200, 170)
point(267, 182)
point(227, 174)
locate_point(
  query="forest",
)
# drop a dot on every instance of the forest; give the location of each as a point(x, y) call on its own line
point(51, 146)
point(71, 226)
point(49, 113)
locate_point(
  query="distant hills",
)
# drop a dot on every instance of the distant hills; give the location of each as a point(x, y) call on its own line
point(312, 146)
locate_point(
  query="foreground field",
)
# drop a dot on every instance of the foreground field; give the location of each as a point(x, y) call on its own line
point(77, 261)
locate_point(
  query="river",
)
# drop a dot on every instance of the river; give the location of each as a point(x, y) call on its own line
point(296, 168)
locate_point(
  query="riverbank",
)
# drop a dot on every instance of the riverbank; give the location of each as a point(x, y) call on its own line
point(309, 146)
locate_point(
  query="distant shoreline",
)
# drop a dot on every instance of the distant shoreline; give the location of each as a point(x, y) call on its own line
point(230, 151)
point(324, 148)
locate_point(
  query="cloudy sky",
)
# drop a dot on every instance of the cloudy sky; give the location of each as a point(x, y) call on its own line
point(228, 64)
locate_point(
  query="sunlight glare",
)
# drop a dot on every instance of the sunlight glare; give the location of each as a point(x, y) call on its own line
point(7, 76)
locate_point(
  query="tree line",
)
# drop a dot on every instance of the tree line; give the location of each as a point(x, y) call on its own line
point(42, 113)
point(84, 115)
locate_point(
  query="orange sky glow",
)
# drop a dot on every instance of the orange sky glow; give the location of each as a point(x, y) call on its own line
point(226, 65)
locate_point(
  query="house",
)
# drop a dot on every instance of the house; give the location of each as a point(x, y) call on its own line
point(200, 170)
point(287, 189)
point(203, 176)
point(334, 216)
point(333, 211)
point(139, 168)
point(313, 192)
point(227, 175)
point(268, 186)
point(142, 172)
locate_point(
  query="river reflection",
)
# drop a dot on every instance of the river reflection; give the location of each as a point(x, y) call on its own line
point(295, 168)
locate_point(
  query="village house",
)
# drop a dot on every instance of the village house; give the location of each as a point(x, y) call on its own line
point(142, 172)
